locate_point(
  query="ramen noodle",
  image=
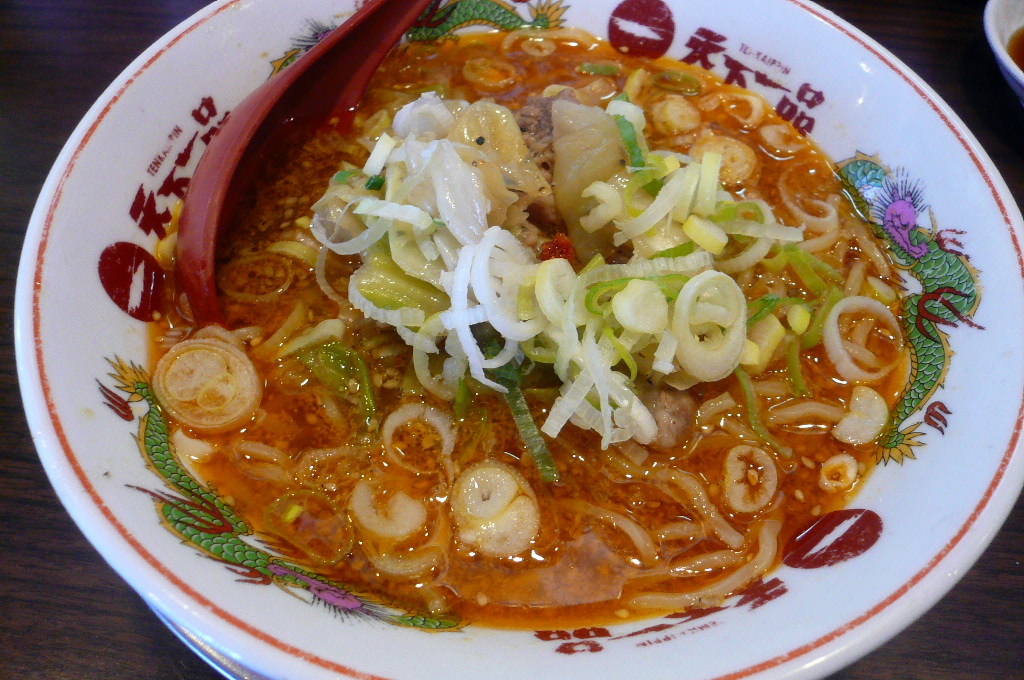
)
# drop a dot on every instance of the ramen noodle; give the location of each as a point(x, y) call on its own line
point(554, 335)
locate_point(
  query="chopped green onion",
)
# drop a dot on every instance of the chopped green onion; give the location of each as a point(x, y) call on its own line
point(638, 180)
point(375, 182)
point(509, 376)
point(754, 415)
point(776, 263)
point(681, 250)
point(343, 176)
point(793, 371)
point(743, 210)
point(670, 285)
point(803, 269)
point(524, 303)
point(766, 304)
point(622, 352)
point(336, 365)
point(595, 262)
point(631, 142)
point(823, 268)
point(589, 69)
point(463, 398)
point(538, 353)
point(812, 336)
point(593, 301)
point(676, 81)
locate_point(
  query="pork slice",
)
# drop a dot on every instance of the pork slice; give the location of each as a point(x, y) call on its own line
point(535, 122)
point(674, 412)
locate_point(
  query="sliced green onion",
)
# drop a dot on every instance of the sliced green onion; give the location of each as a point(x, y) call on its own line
point(766, 304)
point(804, 271)
point(593, 301)
point(812, 336)
point(681, 250)
point(538, 353)
point(375, 182)
point(621, 352)
point(763, 306)
point(670, 285)
point(463, 398)
point(589, 69)
point(524, 301)
point(823, 268)
point(776, 263)
point(728, 211)
point(343, 176)
point(676, 81)
point(754, 415)
point(631, 141)
point(595, 262)
point(336, 365)
point(509, 376)
point(638, 180)
point(793, 371)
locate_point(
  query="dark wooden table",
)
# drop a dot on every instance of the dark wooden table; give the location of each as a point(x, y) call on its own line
point(65, 614)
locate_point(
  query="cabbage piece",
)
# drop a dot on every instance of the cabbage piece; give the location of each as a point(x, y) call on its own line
point(386, 285)
point(427, 117)
point(587, 149)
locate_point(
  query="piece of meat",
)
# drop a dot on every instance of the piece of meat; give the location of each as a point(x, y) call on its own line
point(673, 411)
point(534, 120)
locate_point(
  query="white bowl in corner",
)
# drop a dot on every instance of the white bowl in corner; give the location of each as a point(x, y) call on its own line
point(1002, 19)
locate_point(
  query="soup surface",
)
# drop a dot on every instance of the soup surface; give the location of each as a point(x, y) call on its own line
point(516, 436)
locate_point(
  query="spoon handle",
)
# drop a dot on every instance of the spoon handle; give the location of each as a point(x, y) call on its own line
point(325, 84)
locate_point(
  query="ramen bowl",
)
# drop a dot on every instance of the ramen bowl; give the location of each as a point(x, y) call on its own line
point(854, 579)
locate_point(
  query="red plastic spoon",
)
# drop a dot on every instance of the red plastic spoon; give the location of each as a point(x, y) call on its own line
point(325, 83)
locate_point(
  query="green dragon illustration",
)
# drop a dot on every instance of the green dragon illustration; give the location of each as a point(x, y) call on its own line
point(440, 22)
point(203, 520)
point(950, 291)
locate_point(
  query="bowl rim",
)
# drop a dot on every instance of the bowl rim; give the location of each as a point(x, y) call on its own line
point(172, 597)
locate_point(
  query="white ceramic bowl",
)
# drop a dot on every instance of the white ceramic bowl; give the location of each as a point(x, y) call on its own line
point(915, 528)
point(1002, 19)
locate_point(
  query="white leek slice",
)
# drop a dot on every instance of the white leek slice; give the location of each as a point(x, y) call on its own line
point(771, 230)
point(375, 230)
point(750, 256)
point(837, 352)
point(664, 203)
point(381, 150)
point(665, 353)
point(554, 283)
point(500, 264)
point(609, 206)
point(641, 307)
point(866, 418)
point(709, 351)
point(631, 112)
point(705, 234)
point(707, 189)
point(377, 207)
